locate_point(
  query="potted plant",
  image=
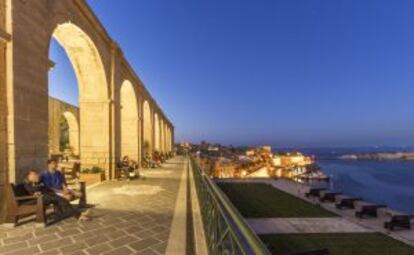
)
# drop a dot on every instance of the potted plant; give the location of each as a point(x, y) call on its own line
point(92, 175)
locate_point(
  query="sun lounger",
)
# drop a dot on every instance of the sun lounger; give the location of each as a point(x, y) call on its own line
point(367, 209)
point(314, 192)
point(328, 196)
point(342, 201)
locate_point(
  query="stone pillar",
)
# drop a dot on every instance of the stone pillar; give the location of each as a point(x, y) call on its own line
point(95, 136)
point(4, 39)
point(54, 127)
point(74, 140)
point(161, 135)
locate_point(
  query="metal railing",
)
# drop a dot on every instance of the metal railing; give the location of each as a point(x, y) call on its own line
point(226, 230)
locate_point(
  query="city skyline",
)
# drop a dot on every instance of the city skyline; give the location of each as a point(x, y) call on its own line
point(317, 73)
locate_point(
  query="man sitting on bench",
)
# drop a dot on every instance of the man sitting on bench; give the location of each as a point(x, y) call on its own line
point(34, 187)
point(55, 181)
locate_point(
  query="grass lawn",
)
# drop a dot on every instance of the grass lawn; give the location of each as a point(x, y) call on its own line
point(338, 244)
point(257, 200)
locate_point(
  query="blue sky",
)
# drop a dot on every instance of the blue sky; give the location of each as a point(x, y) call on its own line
point(282, 72)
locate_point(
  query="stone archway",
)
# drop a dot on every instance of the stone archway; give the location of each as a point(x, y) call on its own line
point(129, 122)
point(100, 67)
point(93, 93)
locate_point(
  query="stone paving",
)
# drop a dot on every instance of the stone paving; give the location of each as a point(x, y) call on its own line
point(128, 218)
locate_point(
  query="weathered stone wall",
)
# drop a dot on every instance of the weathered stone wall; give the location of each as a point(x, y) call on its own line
point(57, 110)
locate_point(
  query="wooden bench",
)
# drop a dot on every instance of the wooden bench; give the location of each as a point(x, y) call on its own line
point(19, 205)
point(346, 202)
point(367, 209)
point(314, 192)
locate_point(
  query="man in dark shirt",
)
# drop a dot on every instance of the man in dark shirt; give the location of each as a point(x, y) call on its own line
point(55, 180)
point(34, 188)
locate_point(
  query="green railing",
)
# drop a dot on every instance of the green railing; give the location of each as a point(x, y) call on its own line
point(226, 230)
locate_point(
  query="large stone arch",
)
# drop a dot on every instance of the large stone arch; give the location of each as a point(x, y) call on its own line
point(147, 127)
point(26, 30)
point(31, 26)
point(129, 121)
point(93, 93)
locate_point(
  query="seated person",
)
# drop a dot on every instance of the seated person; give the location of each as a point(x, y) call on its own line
point(34, 187)
point(129, 166)
point(55, 181)
point(157, 158)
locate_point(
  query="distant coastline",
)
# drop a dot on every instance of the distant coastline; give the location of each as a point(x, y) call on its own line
point(379, 156)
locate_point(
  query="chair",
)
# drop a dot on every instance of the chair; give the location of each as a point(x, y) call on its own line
point(19, 205)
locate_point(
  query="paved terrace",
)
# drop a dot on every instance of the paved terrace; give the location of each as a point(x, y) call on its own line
point(135, 217)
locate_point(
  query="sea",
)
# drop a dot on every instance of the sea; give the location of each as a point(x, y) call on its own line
point(383, 182)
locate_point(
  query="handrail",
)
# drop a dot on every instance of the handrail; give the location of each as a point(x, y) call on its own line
point(217, 209)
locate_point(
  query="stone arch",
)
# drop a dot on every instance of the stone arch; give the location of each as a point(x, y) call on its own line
point(93, 93)
point(129, 122)
point(147, 127)
point(73, 132)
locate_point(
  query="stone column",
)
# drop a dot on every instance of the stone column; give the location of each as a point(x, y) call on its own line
point(95, 136)
point(4, 38)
